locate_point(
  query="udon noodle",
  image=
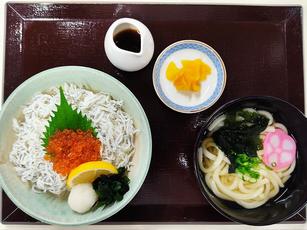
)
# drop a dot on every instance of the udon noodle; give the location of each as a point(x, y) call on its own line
point(231, 186)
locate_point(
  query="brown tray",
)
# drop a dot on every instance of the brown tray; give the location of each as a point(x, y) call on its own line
point(261, 48)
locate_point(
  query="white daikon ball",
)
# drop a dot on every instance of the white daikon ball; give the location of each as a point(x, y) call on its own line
point(82, 197)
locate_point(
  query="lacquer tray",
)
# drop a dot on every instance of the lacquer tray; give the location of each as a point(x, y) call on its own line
point(261, 48)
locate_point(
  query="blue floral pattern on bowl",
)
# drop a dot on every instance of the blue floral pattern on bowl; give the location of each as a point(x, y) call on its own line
point(212, 55)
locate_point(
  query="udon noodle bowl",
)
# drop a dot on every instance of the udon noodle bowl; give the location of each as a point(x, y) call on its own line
point(247, 157)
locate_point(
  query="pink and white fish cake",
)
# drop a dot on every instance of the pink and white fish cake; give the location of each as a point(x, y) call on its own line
point(279, 150)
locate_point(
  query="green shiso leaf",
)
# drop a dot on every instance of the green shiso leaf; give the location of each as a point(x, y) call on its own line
point(65, 117)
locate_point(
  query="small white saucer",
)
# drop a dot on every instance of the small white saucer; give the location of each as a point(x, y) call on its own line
point(211, 89)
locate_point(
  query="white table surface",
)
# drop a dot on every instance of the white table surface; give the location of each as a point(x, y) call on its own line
point(302, 3)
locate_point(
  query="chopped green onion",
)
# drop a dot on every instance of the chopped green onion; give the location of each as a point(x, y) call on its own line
point(246, 166)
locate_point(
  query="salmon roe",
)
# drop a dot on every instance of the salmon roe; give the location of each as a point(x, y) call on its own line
point(68, 149)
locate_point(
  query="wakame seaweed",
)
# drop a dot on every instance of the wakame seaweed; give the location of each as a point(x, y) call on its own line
point(240, 135)
point(111, 188)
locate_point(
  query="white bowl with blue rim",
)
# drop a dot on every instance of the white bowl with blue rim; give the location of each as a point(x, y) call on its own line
point(211, 88)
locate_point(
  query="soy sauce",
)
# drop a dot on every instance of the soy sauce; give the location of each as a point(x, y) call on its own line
point(129, 39)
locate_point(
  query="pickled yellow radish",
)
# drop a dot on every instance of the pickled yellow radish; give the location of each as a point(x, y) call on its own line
point(189, 77)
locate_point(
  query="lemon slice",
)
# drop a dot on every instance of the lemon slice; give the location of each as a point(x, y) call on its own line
point(88, 172)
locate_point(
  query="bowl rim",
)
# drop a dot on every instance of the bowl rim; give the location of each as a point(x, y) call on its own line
point(155, 74)
point(141, 180)
point(198, 173)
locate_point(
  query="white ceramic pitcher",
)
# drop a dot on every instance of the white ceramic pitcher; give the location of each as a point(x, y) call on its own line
point(124, 59)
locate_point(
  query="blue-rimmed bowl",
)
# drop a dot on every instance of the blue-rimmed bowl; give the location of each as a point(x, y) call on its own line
point(184, 101)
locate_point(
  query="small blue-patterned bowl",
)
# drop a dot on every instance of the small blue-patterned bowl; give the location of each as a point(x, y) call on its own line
point(184, 101)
